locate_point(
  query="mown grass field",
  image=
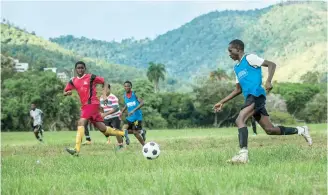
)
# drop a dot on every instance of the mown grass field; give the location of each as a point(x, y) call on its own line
point(192, 161)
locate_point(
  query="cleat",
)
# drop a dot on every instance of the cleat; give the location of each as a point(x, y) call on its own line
point(73, 152)
point(240, 158)
point(119, 148)
point(87, 143)
point(305, 132)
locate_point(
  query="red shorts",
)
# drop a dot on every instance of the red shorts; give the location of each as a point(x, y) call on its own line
point(91, 112)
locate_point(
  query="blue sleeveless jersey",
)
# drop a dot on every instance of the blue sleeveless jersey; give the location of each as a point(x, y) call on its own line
point(250, 78)
point(132, 103)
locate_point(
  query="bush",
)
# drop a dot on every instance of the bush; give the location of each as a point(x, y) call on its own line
point(281, 118)
point(315, 110)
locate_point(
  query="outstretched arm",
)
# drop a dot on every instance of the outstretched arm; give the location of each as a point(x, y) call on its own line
point(218, 106)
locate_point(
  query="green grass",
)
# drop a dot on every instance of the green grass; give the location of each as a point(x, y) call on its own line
point(192, 161)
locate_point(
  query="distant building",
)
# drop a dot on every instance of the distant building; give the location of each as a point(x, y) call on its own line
point(20, 67)
point(52, 69)
point(63, 76)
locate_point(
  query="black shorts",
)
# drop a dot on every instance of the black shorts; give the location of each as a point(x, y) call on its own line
point(136, 125)
point(38, 127)
point(113, 122)
point(259, 106)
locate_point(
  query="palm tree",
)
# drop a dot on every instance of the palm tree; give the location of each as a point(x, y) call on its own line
point(219, 75)
point(155, 73)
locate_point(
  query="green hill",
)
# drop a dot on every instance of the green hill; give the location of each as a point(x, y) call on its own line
point(293, 35)
point(41, 53)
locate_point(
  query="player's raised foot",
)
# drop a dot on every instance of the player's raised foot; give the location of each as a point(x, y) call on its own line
point(305, 132)
point(72, 151)
point(143, 134)
point(126, 135)
point(87, 143)
point(240, 158)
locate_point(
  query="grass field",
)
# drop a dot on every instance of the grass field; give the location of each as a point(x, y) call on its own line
point(192, 161)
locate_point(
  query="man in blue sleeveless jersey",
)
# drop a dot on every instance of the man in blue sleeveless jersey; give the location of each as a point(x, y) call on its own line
point(249, 83)
point(134, 120)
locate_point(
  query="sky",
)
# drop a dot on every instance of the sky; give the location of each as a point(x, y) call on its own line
point(113, 20)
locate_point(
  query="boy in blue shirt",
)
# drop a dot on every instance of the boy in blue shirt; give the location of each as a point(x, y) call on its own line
point(134, 120)
point(249, 83)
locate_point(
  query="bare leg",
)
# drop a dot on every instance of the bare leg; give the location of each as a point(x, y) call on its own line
point(138, 136)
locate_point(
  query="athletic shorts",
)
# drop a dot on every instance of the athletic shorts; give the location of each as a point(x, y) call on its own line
point(259, 106)
point(136, 125)
point(113, 122)
point(38, 127)
point(91, 112)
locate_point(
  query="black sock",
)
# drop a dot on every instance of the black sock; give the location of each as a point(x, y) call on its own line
point(86, 132)
point(288, 130)
point(243, 137)
point(37, 136)
point(254, 128)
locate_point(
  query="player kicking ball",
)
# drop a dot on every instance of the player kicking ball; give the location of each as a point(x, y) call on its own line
point(85, 85)
point(248, 81)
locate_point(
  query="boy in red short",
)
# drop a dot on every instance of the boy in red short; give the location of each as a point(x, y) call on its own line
point(85, 85)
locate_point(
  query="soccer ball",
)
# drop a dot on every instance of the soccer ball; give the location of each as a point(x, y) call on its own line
point(151, 150)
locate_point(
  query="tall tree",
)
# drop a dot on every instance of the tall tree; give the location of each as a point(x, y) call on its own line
point(219, 75)
point(155, 73)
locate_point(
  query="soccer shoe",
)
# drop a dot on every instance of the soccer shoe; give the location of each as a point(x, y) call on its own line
point(72, 151)
point(126, 135)
point(305, 132)
point(87, 143)
point(143, 134)
point(240, 158)
point(119, 148)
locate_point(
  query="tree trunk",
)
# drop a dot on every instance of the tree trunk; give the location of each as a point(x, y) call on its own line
point(215, 119)
point(156, 86)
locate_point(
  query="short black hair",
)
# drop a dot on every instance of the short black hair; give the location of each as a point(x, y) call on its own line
point(80, 62)
point(128, 82)
point(108, 86)
point(238, 44)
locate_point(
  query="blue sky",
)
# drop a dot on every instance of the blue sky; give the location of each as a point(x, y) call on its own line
point(112, 20)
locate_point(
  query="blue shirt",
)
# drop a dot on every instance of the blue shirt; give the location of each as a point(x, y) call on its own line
point(250, 78)
point(131, 103)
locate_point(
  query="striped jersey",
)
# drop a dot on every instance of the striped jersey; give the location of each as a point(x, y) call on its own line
point(112, 102)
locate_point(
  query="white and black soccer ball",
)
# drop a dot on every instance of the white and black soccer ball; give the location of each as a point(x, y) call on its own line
point(151, 150)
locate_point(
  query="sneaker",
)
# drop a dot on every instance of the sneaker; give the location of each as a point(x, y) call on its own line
point(119, 148)
point(143, 134)
point(72, 151)
point(126, 135)
point(305, 132)
point(240, 158)
point(87, 143)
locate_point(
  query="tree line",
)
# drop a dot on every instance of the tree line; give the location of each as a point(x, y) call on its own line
point(288, 101)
